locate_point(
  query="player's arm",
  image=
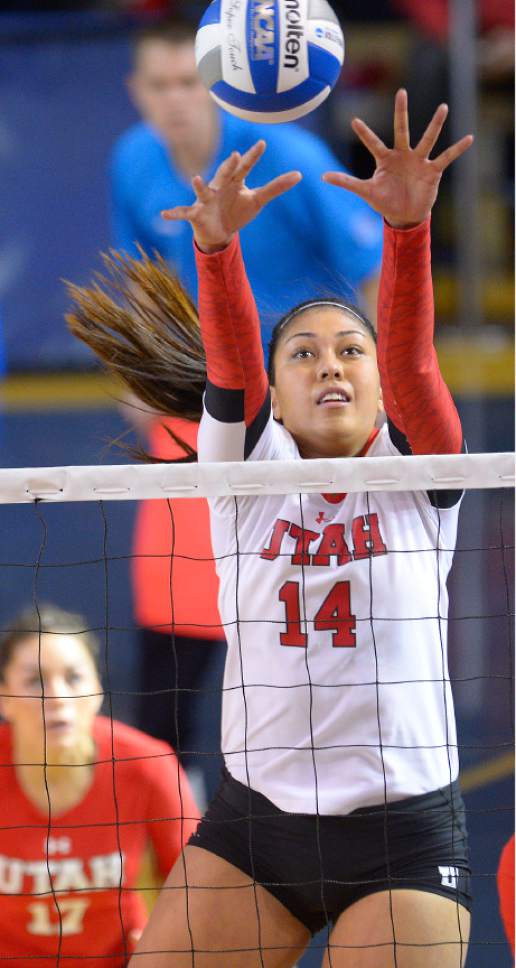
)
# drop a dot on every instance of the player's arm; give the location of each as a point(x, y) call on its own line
point(403, 189)
point(236, 401)
point(416, 398)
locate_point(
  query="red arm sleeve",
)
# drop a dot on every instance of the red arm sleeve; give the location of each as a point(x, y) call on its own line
point(416, 398)
point(230, 327)
point(173, 814)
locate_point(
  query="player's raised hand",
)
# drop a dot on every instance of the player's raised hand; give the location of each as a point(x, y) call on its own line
point(226, 204)
point(406, 181)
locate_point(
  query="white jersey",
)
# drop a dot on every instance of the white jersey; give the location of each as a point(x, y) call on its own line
point(336, 688)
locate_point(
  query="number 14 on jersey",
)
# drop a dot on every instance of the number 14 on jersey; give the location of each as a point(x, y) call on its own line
point(334, 615)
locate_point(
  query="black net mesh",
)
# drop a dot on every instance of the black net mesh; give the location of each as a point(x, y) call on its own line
point(71, 856)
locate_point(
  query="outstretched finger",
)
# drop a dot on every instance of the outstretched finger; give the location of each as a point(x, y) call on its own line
point(359, 186)
point(453, 152)
point(225, 171)
point(249, 159)
point(202, 191)
point(177, 213)
point(401, 121)
point(278, 186)
point(430, 136)
point(373, 143)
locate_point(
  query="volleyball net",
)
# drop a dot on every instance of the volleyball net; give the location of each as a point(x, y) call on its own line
point(70, 507)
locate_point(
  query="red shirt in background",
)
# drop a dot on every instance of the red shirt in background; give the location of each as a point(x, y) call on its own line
point(183, 588)
point(139, 800)
point(432, 16)
point(505, 880)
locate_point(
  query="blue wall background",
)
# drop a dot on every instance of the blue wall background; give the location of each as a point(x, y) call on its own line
point(63, 103)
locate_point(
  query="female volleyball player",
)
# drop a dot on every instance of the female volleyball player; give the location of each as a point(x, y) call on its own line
point(74, 832)
point(340, 803)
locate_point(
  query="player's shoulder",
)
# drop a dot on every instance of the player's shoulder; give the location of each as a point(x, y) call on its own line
point(128, 742)
point(383, 445)
point(389, 442)
point(275, 443)
point(285, 443)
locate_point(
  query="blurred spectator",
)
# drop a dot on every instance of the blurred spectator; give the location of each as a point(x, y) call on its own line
point(315, 240)
point(427, 80)
point(110, 792)
point(125, 6)
point(433, 16)
point(336, 244)
point(146, 7)
point(48, 6)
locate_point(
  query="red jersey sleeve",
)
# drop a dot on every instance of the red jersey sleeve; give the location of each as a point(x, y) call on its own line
point(416, 398)
point(237, 388)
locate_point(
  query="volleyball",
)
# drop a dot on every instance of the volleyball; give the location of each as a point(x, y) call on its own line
point(269, 60)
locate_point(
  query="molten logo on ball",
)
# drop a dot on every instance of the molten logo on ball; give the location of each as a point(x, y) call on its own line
point(294, 36)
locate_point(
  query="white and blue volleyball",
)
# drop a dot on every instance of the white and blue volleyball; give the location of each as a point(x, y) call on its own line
point(269, 60)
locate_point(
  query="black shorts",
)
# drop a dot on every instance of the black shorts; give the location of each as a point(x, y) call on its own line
point(319, 866)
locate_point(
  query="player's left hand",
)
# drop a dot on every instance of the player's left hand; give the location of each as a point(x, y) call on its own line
point(226, 204)
point(406, 181)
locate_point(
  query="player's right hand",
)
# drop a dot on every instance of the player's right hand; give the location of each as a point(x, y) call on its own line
point(226, 204)
point(406, 180)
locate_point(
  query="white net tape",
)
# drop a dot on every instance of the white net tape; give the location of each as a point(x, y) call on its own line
point(136, 482)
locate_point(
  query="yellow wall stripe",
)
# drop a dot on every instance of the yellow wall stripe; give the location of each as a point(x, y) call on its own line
point(498, 768)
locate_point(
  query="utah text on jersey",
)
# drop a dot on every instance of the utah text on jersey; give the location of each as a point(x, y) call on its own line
point(366, 538)
point(40, 879)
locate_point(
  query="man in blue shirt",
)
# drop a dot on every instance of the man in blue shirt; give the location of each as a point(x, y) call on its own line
point(313, 241)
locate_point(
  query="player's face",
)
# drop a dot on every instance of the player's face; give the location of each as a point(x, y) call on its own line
point(327, 386)
point(59, 716)
point(168, 91)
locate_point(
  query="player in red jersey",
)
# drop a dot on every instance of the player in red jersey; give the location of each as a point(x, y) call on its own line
point(505, 882)
point(340, 805)
point(74, 832)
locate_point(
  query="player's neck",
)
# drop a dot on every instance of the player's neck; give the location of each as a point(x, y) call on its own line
point(349, 446)
point(192, 156)
point(65, 780)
